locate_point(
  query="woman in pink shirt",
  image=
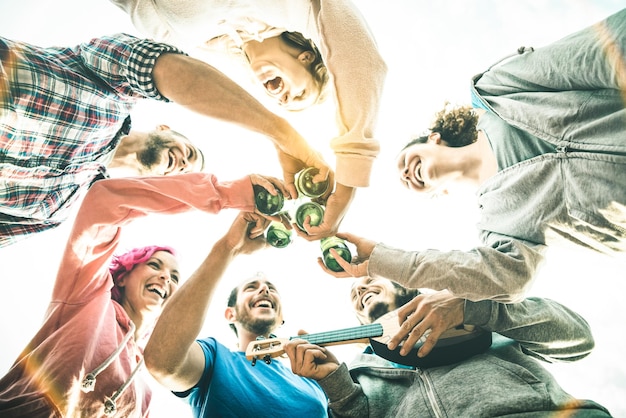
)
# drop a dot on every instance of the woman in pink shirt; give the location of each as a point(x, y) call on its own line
point(84, 359)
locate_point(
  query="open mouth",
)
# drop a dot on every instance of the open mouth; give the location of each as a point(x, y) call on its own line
point(274, 86)
point(171, 162)
point(154, 288)
point(366, 297)
point(263, 303)
point(416, 179)
point(418, 174)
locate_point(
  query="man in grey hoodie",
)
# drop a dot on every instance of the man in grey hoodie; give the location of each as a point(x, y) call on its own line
point(503, 381)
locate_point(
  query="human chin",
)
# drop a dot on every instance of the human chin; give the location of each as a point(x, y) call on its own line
point(164, 165)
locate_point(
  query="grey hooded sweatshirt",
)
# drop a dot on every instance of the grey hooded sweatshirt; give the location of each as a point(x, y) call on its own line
point(571, 95)
point(503, 381)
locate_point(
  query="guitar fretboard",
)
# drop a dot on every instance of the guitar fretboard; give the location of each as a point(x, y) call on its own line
point(344, 335)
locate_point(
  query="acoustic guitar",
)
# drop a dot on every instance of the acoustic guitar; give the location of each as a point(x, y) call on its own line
point(453, 346)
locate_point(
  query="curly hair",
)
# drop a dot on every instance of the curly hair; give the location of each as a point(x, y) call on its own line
point(124, 263)
point(317, 69)
point(457, 125)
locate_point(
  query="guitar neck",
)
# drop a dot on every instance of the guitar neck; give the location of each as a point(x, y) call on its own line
point(360, 334)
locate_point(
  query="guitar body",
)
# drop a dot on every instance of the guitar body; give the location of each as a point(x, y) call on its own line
point(453, 346)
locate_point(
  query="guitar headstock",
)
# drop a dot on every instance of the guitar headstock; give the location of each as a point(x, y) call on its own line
point(265, 349)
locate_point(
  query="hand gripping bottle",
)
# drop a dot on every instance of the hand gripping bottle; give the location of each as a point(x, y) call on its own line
point(267, 203)
point(305, 185)
point(278, 235)
point(313, 210)
point(340, 246)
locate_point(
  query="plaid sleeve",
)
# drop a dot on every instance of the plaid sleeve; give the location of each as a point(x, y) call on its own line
point(126, 63)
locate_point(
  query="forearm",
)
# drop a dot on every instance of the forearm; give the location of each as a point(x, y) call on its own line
point(111, 204)
point(345, 398)
point(171, 355)
point(204, 89)
point(502, 272)
point(358, 73)
point(544, 328)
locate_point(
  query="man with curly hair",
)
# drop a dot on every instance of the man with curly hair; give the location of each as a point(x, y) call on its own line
point(546, 151)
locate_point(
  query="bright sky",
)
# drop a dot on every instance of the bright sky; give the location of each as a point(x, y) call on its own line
point(432, 49)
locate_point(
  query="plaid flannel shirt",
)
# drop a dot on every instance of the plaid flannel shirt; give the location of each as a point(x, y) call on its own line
point(63, 111)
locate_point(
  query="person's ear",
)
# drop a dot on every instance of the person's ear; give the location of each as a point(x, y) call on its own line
point(229, 314)
point(435, 137)
point(121, 281)
point(306, 57)
point(162, 128)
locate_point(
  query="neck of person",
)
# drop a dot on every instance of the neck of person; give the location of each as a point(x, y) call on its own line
point(124, 162)
point(246, 337)
point(488, 166)
point(472, 164)
point(143, 321)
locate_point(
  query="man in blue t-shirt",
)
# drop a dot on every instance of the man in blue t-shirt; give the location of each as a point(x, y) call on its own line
point(214, 380)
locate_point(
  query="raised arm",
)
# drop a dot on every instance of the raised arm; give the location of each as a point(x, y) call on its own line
point(358, 75)
point(172, 355)
point(544, 328)
point(141, 68)
point(111, 204)
point(500, 270)
point(203, 89)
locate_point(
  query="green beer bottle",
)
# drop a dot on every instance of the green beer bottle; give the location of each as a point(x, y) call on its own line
point(277, 235)
point(340, 246)
point(305, 185)
point(313, 210)
point(266, 202)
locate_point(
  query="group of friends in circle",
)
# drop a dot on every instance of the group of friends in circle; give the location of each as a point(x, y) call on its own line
point(541, 142)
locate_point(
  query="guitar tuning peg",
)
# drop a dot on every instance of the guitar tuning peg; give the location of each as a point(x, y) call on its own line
point(260, 337)
point(253, 361)
point(267, 359)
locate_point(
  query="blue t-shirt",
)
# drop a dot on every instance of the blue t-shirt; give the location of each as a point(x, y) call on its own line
point(510, 145)
point(231, 387)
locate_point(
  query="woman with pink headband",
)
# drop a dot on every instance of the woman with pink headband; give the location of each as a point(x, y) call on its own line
point(84, 359)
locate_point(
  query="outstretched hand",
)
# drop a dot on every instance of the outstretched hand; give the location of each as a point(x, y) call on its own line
point(427, 315)
point(358, 267)
point(245, 235)
point(293, 162)
point(336, 207)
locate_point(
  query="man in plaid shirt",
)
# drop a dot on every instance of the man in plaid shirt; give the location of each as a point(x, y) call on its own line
point(64, 117)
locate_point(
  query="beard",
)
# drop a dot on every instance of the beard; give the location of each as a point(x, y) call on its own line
point(255, 325)
point(377, 310)
point(151, 154)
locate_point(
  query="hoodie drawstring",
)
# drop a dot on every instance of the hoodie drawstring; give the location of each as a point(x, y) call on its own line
point(89, 382)
point(110, 408)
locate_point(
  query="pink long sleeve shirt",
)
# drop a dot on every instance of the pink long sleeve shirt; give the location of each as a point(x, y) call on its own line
point(83, 325)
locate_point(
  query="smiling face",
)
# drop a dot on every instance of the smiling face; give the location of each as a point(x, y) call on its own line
point(285, 72)
point(167, 152)
point(424, 166)
point(257, 308)
point(149, 284)
point(372, 298)
point(287, 80)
